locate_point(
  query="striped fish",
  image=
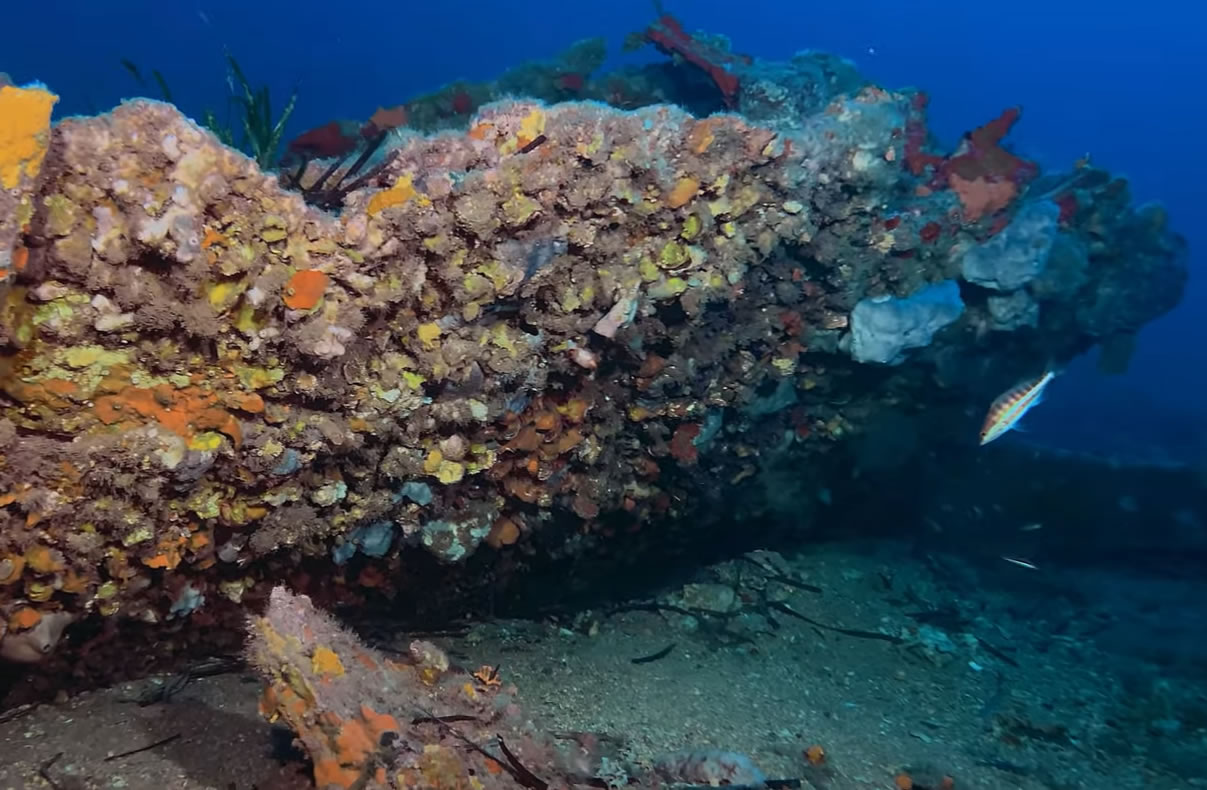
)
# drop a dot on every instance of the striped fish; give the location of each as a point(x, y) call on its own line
point(1011, 405)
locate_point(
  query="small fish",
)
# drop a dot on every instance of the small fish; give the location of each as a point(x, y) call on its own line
point(1031, 566)
point(1031, 527)
point(1011, 405)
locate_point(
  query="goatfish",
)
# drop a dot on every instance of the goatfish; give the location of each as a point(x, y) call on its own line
point(1009, 407)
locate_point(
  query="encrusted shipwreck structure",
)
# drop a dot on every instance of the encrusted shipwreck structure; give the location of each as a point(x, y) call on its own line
point(563, 323)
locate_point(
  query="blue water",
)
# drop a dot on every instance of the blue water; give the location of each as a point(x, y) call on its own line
point(1121, 82)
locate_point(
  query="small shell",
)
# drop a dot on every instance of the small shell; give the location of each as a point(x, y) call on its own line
point(10, 569)
point(584, 358)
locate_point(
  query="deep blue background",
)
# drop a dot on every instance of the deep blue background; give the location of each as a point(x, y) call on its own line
point(1124, 82)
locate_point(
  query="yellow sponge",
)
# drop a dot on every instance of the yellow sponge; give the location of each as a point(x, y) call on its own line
point(24, 131)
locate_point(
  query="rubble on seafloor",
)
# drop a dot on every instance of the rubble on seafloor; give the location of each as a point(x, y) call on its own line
point(557, 325)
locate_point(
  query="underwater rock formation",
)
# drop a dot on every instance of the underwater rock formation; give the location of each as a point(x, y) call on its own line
point(560, 324)
point(368, 720)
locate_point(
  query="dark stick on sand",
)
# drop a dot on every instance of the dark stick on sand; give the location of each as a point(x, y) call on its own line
point(663, 653)
point(140, 749)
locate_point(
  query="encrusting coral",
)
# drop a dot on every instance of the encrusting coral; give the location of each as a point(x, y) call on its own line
point(564, 320)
